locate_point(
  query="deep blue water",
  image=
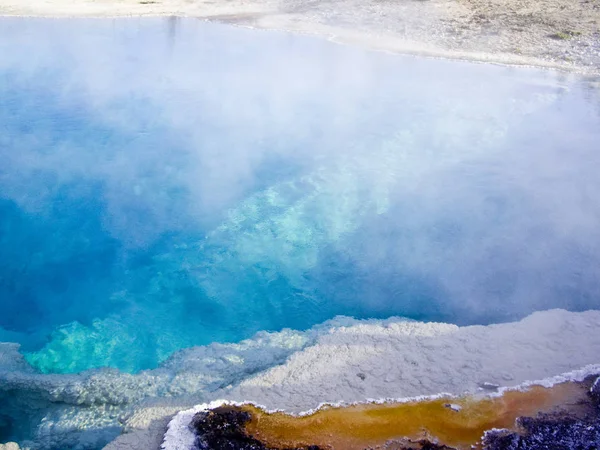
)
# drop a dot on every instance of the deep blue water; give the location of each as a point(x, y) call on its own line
point(167, 183)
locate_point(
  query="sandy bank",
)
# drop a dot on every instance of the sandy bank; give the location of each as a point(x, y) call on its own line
point(549, 33)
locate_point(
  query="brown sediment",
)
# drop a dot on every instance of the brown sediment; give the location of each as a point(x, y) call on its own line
point(374, 425)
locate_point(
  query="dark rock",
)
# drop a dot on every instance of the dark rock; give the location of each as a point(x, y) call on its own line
point(426, 445)
point(407, 444)
point(547, 434)
point(554, 431)
point(223, 429)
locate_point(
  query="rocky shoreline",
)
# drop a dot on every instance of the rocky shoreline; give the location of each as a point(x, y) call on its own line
point(573, 424)
point(553, 431)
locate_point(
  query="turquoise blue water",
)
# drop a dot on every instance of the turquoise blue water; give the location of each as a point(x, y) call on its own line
point(168, 183)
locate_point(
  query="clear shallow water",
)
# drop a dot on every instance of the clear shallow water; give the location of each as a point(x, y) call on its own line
point(168, 183)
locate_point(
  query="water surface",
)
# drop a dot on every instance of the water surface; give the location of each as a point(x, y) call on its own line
point(167, 183)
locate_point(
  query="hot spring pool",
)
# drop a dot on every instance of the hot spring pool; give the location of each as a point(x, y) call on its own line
point(169, 183)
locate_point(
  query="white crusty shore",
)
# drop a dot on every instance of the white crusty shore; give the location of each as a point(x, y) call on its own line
point(398, 359)
point(341, 360)
point(180, 437)
point(395, 359)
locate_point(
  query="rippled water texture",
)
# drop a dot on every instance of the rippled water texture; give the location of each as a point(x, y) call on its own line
point(169, 183)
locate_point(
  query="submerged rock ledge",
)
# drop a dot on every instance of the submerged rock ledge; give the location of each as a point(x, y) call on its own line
point(566, 415)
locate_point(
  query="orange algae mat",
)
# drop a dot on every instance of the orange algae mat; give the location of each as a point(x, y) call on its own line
point(370, 425)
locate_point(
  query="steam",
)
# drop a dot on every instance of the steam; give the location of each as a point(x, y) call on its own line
point(227, 180)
